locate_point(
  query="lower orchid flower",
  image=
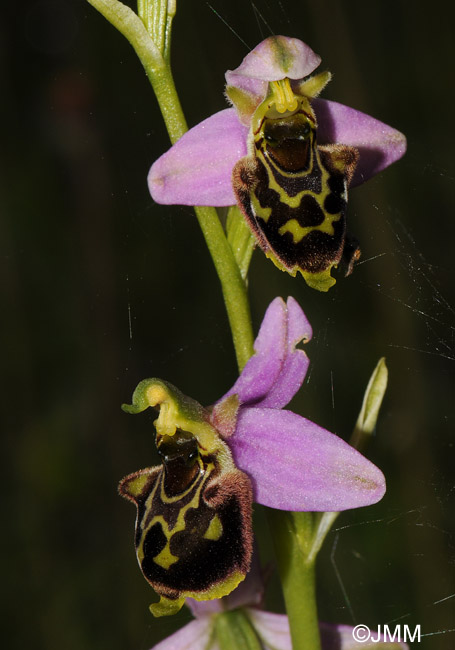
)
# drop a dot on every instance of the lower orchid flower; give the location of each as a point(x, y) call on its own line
point(236, 620)
point(286, 157)
point(270, 631)
point(193, 527)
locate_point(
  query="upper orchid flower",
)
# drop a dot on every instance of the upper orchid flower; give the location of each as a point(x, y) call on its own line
point(193, 529)
point(286, 157)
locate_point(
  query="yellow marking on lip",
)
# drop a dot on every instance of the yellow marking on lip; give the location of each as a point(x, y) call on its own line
point(214, 530)
point(165, 559)
point(136, 485)
point(258, 210)
point(167, 606)
point(298, 232)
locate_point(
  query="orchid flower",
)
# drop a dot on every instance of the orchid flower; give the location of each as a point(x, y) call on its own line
point(284, 156)
point(240, 617)
point(271, 629)
point(193, 529)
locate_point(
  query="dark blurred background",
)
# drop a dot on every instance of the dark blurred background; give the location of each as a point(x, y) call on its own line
point(101, 288)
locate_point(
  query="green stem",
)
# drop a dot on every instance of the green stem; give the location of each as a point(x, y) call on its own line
point(232, 284)
point(168, 100)
point(292, 534)
point(160, 76)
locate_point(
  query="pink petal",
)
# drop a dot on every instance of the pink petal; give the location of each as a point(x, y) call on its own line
point(273, 629)
point(197, 170)
point(276, 371)
point(275, 58)
point(202, 608)
point(295, 365)
point(194, 636)
point(294, 464)
point(379, 144)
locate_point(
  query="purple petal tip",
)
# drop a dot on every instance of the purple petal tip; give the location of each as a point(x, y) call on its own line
point(276, 371)
point(197, 170)
point(379, 145)
point(313, 469)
